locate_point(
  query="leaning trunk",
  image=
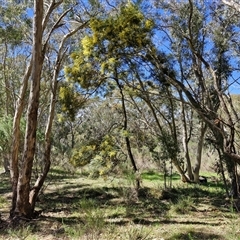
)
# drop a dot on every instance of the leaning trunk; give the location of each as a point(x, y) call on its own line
point(13, 166)
point(47, 149)
point(186, 138)
point(183, 176)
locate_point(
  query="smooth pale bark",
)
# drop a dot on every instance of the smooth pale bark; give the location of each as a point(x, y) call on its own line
point(23, 207)
point(197, 166)
point(47, 145)
point(24, 197)
point(232, 4)
point(14, 170)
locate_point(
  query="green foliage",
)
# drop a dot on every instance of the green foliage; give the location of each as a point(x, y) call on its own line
point(5, 132)
point(111, 39)
point(3, 202)
point(102, 155)
point(71, 101)
point(128, 29)
point(6, 123)
point(14, 23)
point(93, 216)
point(169, 146)
point(83, 155)
point(166, 149)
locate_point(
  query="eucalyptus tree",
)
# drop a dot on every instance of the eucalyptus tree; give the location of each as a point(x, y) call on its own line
point(206, 31)
point(188, 68)
point(54, 23)
point(13, 24)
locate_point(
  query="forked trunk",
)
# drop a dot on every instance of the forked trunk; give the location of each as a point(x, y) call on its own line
point(183, 176)
point(21, 184)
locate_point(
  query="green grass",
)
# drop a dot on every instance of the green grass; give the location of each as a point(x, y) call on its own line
point(153, 176)
point(76, 207)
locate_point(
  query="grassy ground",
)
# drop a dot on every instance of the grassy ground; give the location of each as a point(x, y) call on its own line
point(76, 207)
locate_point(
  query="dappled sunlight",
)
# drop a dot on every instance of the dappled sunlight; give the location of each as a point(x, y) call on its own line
point(78, 202)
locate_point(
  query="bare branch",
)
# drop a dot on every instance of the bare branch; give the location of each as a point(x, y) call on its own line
point(51, 7)
point(55, 26)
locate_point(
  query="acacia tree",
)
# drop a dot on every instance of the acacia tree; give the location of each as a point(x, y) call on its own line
point(118, 51)
point(110, 45)
point(97, 143)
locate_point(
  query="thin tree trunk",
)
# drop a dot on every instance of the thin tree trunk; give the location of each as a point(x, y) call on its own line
point(47, 149)
point(222, 172)
point(199, 152)
point(125, 127)
point(13, 166)
point(185, 139)
point(47, 145)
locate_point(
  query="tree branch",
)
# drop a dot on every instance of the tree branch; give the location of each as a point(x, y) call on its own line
point(232, 4)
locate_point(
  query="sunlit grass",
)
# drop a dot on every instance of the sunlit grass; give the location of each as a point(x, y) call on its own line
point(76, 207)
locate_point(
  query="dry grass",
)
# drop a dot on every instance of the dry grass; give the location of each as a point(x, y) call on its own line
point(74, 207)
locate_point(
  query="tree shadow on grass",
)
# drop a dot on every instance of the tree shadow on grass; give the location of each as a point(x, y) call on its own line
point(61, 175)
point(63, 205)
point(198, 193)
point(191, 235)
point(108, 199)
point(148, 206)
point(165, 221)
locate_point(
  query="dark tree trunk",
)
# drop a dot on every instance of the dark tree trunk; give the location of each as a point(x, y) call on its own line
point(231, 168)
point(125, 128)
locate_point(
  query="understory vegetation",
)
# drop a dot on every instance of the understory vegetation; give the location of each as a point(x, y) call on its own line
point(73, 206)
